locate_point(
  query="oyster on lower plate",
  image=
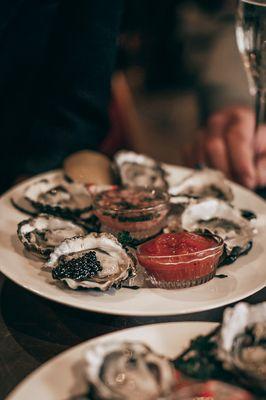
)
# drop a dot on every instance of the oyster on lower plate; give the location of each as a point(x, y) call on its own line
point(242, 343)
point(43, 233)
point(128, 371)
point(96, 260)
point(58, 197)
point(222, 219)
point(138, 170)
point(201, 183)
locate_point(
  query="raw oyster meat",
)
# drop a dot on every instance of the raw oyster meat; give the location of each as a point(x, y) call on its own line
point(202, 183)
point(242, 343)
point(43, 233)
point(58, 197)
point(127, 371)
point(96, 260)
point(138, 170)
point(222, 219)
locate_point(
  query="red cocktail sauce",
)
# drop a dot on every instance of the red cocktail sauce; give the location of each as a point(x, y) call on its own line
point(180, 257)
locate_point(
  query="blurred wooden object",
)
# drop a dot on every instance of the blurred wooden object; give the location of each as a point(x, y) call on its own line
point(88, 167)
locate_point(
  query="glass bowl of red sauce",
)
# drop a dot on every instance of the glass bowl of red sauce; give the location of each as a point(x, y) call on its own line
point(140, 211)
point(180, 260)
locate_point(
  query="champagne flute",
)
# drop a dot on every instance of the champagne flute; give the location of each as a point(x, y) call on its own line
point(251, 41)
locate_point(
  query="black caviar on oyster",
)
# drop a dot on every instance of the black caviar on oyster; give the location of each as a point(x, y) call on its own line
point(79, 268)
point(95, 261)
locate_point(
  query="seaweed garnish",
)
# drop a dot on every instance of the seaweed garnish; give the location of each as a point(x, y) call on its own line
point(199, 361)
point(127, 240)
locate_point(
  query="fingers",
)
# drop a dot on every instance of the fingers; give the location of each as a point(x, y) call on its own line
point(216, 153)
point(261, 171)
point(215, 145)
point(261, 156)
point(194, 153)
point(228, 143)
point(239, 138)
point(260, 141)
point(199, 151)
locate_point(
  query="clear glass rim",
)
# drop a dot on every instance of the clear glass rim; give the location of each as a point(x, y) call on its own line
point(162, 203)
point(179, 257)
point(255, 2)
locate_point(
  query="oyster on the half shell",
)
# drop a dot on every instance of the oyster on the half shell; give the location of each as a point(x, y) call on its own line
point(201, 183)
point(242, 343)
point(128, 371)
point(43, 233)
point(138, 170)
point(222, 219)
point(58, 197)
point(96, 260)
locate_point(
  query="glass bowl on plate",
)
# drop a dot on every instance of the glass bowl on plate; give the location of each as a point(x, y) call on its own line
point(140, 211)
point(180, 260)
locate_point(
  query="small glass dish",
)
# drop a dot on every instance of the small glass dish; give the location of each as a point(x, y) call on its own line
point(141, 212)
point(182, 270)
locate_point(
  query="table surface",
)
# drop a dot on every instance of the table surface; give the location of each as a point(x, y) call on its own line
point(33, 330)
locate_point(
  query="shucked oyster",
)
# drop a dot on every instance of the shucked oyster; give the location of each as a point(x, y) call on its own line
point(127, 371)
point(222, 219)
point(139, 170)
point(58, 197)
point(43, 233)
point(96, 260)
point(242, 343)
point(202, 183)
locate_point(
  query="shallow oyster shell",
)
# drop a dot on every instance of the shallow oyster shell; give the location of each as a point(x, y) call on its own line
point(222, 219)
point(127, 371)
point(138, 170)
point(117, 264)
point(43, 233)
point(58, 197)
point(202, 183)
point(241, 352)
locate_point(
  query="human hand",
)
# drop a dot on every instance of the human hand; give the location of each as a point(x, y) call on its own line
point(228, 143)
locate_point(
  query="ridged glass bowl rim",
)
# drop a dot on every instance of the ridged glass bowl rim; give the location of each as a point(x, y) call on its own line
point(179, 257)
point(164, 204)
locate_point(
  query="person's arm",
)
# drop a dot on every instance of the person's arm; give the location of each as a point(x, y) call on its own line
point(226, 139)
point(70, 105)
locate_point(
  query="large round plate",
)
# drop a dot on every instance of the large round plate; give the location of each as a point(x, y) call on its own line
point(62, 377)
point(245, 277)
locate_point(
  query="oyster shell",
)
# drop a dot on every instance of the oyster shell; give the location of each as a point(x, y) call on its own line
point(96, 260)
point(202, 183)
point(139, 170)
point(222, 219)
point(43, 233)
point(242, 343)
point(58, 197)
point(127, 371)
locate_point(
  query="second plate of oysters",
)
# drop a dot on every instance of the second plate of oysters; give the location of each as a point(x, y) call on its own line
point(170, 361)
point(132, 236)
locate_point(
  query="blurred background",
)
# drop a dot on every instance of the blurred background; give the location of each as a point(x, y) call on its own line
point(177, 62)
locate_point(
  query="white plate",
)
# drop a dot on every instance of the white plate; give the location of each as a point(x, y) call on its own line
point(245, 277)
point(61, 377)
